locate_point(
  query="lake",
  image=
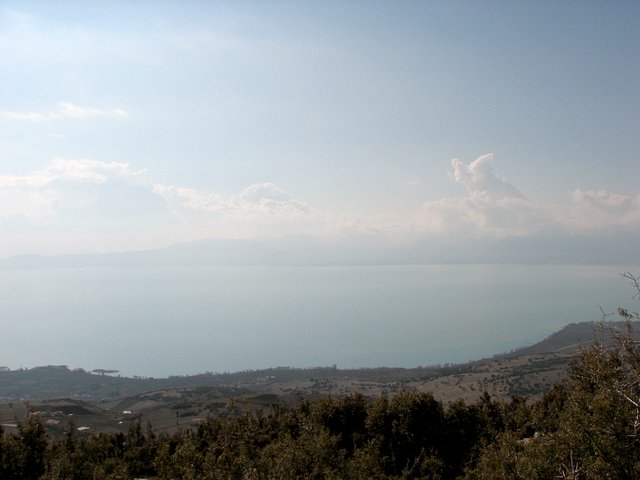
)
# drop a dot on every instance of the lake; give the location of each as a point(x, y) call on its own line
point(175, 320)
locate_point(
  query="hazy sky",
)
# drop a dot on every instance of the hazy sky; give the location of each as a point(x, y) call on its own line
point(131, 125)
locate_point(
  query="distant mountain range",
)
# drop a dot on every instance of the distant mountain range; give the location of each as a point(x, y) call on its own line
point(365, 250)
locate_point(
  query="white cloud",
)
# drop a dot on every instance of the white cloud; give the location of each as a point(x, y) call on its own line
point(492, 207)
point(264, 193)
point(182, 199)
point(480, 215)
point(75, 111)
point(480, 179)
point(64, 110)
point(263, 210)
point(24, 117)
point(602, 200)
point(598, 209)
point(265, 198)
point(24, 202)
point(74, 186)
point(271, 197)
point(88, 170)
point(84, 194)
point(114, 203)
point(499, 209)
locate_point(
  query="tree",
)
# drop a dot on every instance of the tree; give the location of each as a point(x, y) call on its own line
point(591, 429)
point(33, 443)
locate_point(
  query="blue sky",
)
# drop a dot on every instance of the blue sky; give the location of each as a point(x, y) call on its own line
point(134, 125)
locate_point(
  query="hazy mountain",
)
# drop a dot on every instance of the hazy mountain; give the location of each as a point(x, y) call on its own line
point(362, 250)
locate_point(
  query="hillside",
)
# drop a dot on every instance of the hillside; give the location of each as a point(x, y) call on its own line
point(573, 337)
point(57, 381)
point(111, 403)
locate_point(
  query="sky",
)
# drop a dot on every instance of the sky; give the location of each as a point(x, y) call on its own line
point(137, 125)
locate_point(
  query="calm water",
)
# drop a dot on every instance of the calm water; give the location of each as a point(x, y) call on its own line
point(165, 321)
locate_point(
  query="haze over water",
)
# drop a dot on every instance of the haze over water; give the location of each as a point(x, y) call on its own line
point(166, 321)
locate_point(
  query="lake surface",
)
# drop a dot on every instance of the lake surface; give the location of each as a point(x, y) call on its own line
point(167, 321)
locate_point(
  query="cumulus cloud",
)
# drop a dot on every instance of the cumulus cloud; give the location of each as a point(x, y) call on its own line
point(265, 198)
point(496, 208)
point(597, 209)
point(76, 197)
point(182, 199)
point(88, 193)
point(271, 197)
point(602, 200)
point(264, 193)
point(480, 179)
point(19, 200)
point(262, 209)
point(78, 186)
point(481, 215)
point(491, 207)
point(88, 170)
point(64, 110)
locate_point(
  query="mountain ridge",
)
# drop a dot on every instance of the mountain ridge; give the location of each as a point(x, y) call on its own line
point(350, 251)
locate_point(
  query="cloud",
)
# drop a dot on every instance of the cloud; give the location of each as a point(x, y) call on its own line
point(598, 209)
point(78, 194)
point(480, 179)
point(24, 117)
point(181, 199)
point(113, 204)
point(262, 209)
point(86, 187)
point(19, 200)
point(493, 207)
point(261, 197)
point(480, 216)
point(64, 110)
point(88, 170)
point(498, 209)
point(264, 193)
point(75, 111)
point(270, 197)
point(602, 200)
